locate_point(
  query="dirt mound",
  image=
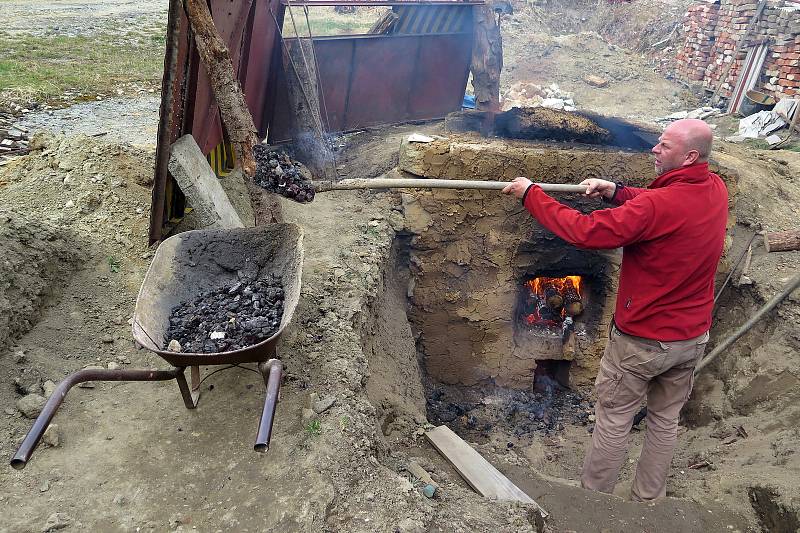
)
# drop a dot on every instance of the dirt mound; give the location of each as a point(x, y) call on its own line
point(541, 123)
point(36, 259)
point(92, 188)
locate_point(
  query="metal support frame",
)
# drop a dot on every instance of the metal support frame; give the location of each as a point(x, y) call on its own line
point(33, 437)
point(271, 372)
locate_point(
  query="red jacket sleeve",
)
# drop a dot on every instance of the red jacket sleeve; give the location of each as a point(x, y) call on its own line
point(605, 228)
point(626, 193)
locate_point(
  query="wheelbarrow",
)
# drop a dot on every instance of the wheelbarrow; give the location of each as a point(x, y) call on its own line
point(183, 266)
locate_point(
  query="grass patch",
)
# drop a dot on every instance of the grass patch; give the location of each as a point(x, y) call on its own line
point(324, 21)
point(113, 263)
point(45, 67)
point(314, 428)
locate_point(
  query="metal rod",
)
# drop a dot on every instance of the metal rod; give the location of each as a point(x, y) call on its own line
point(33, 437)
point(778, 298)
point(271, 371)
point(769, 306)
point(422, 183)
point(735, 266)
point(164, 134)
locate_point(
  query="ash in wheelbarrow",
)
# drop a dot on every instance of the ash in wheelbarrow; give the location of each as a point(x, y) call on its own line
point(185, 266)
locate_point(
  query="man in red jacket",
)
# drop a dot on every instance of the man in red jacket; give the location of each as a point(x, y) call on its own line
point(672, 235)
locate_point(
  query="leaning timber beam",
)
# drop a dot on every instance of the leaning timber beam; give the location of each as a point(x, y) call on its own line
point(232, 106)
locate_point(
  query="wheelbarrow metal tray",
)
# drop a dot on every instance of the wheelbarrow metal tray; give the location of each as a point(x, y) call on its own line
point(193, 262)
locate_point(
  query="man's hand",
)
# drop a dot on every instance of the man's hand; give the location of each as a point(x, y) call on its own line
point(595, 188)
point(517, 187)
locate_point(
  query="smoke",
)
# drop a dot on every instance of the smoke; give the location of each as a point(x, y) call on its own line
point(316, 153)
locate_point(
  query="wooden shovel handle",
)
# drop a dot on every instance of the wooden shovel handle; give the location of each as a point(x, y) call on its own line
point(422, 183)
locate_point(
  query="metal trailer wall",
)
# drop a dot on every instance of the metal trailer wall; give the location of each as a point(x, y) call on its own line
point(366, 79)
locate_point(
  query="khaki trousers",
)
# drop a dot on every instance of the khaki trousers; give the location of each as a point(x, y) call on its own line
point(632, 368)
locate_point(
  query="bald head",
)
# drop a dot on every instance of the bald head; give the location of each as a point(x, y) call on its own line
point(694, 134)
point(683, 143)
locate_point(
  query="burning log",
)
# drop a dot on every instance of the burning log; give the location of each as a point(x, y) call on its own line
point(782, 241)
point(547, 314)
point(553, 298)
point(573, 303)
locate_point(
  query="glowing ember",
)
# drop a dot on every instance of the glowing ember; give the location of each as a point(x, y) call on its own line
point(550, 300)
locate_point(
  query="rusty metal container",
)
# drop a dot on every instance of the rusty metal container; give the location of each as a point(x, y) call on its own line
point(200, 260)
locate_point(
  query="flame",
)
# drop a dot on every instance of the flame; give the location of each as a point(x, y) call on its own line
point(542, 290)
point(537, 285)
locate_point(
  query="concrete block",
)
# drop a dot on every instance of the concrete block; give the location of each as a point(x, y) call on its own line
point(191, 170)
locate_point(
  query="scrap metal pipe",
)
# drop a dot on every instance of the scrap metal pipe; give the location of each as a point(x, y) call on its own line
point(422, 183)
point(793, 284)
point(271, 371)
point(33, 437)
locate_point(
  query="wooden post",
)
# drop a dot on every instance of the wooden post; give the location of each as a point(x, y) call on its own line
point(782, 241)
point(487, 58)
point(232, 106)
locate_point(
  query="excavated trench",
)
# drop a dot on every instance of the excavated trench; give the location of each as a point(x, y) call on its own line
point(478, 343)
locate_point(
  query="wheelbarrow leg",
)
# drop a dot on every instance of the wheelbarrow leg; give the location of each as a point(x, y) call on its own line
point(190, 399)
point(271, 372)
point(31, 440)
point(195, 373)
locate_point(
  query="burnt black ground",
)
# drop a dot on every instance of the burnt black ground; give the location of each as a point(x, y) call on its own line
point(477, 411)
point(246, 313)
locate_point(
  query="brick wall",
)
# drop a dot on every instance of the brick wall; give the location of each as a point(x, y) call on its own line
point(711, 31)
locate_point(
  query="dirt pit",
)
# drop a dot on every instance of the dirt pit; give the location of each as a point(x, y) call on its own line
point(389, 282)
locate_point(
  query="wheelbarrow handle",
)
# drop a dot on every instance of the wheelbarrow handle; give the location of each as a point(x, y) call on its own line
point(424, 183)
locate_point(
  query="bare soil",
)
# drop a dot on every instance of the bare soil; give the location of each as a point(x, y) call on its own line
point(131, 458)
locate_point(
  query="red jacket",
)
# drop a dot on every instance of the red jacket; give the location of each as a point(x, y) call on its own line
point(672, 233)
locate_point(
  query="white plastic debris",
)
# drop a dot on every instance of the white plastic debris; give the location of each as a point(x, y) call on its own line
point(701, 112)
point(215, 335)
point(553, 103)
point(419, 138)
point(786, 107)
point(760, 124)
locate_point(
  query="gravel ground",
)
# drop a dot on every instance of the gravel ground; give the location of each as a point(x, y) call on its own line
point(80, 17)
point(120, 120)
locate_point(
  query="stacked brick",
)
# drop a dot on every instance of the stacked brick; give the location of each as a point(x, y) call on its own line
point(698, 27)
point(712, 31)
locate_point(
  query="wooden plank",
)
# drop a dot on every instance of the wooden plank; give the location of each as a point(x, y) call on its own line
point(739, 45)
point(484, 478)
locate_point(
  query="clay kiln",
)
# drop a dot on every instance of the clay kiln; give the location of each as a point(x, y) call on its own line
point(475, 254)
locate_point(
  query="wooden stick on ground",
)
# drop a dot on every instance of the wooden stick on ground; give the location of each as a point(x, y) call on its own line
point(477, 471)
point(782, 241)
